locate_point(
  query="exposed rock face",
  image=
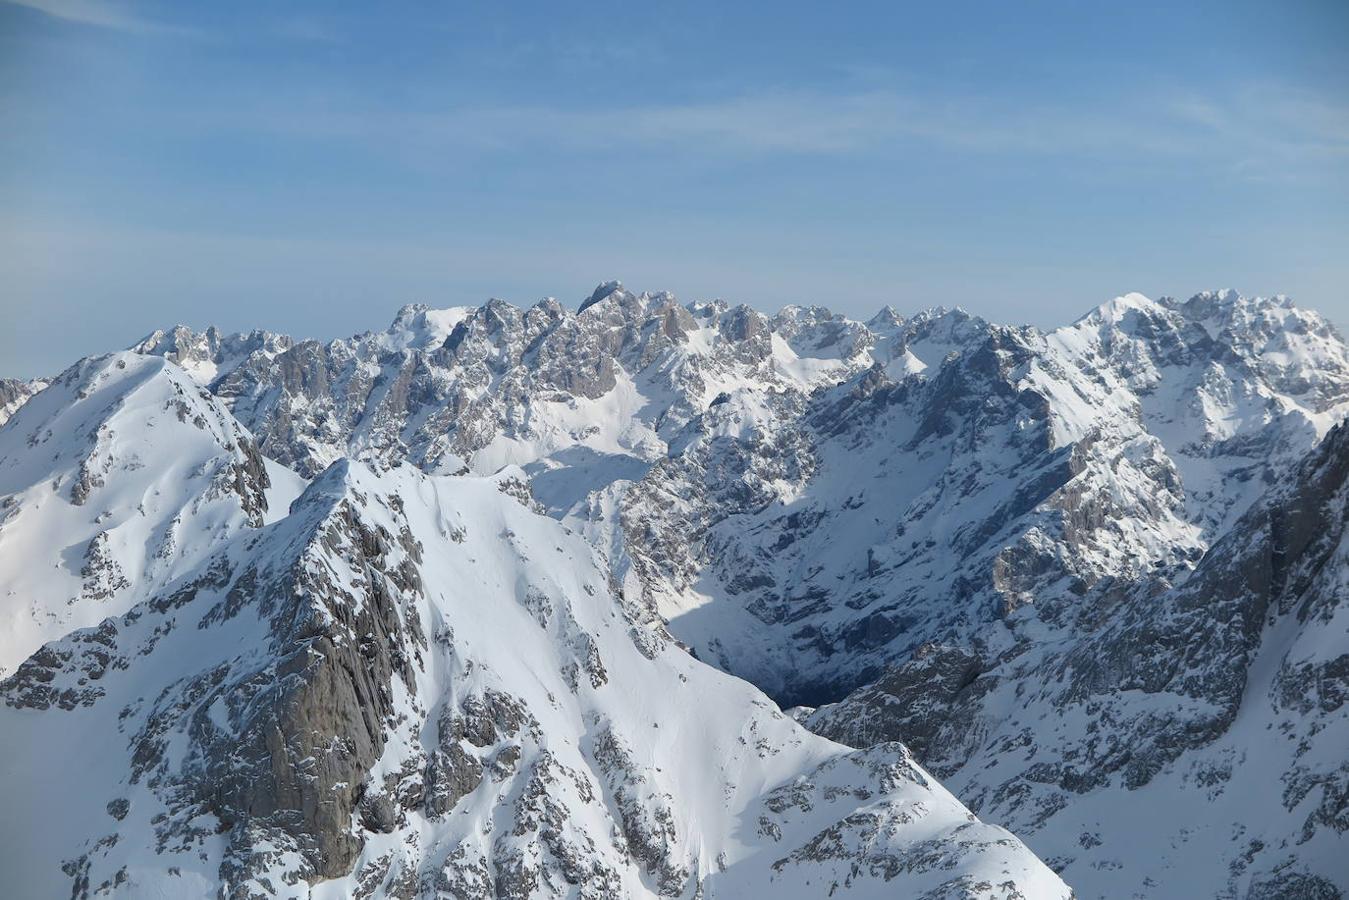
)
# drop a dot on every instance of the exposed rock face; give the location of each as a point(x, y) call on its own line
point(417, 687)
point(313, 720)
point(912, 702)
point(14, 393)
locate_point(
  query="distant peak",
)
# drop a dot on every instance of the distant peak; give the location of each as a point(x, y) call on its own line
point(1222, 295)
point(887, 317)
point(166, 339)
point(605, 290)
point(1113, 311)
point(955, 314)
point(1131, 300)
point(1227, 302)
point(409, 312)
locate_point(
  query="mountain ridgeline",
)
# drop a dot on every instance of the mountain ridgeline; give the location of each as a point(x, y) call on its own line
point(438, 611)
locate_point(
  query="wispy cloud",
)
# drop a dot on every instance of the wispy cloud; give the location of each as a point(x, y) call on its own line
point(1270, 131)
point(1255, 132)
point(97, 14)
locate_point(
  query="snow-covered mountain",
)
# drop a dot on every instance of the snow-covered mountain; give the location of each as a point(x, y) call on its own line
point(1017, 469)
point(415, 686)
point(395, 685)
point(1185, 741)
point(1013, 550)
point(114, 480)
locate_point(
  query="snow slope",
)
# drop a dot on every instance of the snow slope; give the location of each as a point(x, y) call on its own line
point(416, 686)
point(116, 479)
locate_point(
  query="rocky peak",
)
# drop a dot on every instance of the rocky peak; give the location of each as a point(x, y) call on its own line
point(885, 319)
point(14, 393)
point(604, 291)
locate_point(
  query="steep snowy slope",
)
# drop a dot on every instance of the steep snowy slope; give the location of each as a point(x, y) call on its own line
point(117, 478)
point(1192, 743)
point(1236, 389)
point(414, 686)
point(1014, 469)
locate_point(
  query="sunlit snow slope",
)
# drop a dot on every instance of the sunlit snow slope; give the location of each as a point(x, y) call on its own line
point(416, 686)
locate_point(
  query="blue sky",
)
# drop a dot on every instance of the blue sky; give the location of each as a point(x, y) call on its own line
point(311, 167)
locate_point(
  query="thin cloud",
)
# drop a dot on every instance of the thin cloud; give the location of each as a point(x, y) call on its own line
point(1256, 132)
point(97, 14)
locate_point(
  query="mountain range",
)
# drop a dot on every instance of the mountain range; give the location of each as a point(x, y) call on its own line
point(654, 599)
